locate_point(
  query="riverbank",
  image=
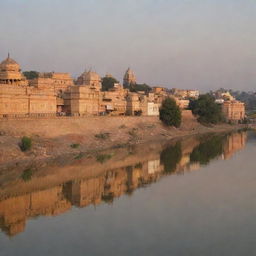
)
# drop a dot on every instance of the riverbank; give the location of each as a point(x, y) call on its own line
point(54, 138)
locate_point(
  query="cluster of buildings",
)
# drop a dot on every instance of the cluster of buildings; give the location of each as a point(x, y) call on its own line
point(52, 94)
point(18, 206)
point(232, 109)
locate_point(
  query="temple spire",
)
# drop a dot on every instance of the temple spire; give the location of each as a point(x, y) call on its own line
point(8, 55)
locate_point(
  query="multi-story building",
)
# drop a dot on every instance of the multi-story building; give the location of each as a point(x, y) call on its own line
point(234, 111)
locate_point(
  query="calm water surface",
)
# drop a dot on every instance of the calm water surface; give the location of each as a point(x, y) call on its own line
point(191, 197)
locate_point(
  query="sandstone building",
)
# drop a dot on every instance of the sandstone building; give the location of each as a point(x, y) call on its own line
point(234, 110)
point(52, 94)
point(18, 99)
point(129, 78)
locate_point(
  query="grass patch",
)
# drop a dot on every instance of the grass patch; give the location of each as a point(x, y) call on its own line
point(75, 145)
point(27, 174)
point(79, 156)
point(123, 126)
point(102, 136)
point(25, 144)
point(103, 158)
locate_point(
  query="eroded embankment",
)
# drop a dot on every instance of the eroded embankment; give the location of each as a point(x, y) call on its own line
point(61, 136)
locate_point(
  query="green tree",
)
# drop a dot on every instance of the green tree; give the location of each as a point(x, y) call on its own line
point(31, 74)
point(206, 109)
point(140, 87)
point(170, 113)
point(25, 144)
point(108, 83)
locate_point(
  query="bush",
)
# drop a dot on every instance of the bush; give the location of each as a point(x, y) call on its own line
point(206, 109)
point(26, 143)
point(80, 156)
point(75, 145)
point(27, 175)
point(170, 113)
point(103, 158)
point(103, 136)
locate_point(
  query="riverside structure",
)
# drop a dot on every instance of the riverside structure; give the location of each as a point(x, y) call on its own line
point(57, 94)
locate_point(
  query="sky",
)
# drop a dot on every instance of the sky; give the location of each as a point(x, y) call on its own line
point(189, 44)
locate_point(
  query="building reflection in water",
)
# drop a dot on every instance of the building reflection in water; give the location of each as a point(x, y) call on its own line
point(177, 158)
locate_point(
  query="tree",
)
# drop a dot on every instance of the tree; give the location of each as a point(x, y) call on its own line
point(170, 113)
point(206, 109)
point(31, 74)
point(108, 83)
point(139, 87)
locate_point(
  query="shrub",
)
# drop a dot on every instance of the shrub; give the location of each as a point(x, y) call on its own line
point(170, 113)
point(103, 158)
point(79, 156)
point(75, 145)
point(26, 143)
point(27, 174)
point(103, 136)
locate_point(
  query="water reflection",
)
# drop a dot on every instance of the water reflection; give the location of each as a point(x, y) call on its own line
point(55, 189)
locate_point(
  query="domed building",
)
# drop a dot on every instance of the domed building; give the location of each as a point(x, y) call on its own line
point(91, 79)
point(10, 73)
point(17, 99)
point(129, 78)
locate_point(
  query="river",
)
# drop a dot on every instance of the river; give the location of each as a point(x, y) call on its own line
point(194, 196)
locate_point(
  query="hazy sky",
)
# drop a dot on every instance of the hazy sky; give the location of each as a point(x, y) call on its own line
point(202, 44)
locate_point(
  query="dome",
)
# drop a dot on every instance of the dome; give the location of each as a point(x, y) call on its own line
point(88, 77)
point(129, 77)
point(91, 76)
point(9, 65)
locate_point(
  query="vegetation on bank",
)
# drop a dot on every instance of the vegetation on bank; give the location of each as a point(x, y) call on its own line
point(27, 175)
point(25, 144)
point(75, 145)
point(102, 136)
point(102, 158)
point(207, 110)
point(170, 113)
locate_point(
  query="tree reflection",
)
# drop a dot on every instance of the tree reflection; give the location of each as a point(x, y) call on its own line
point(170, 157)
point(207, 150)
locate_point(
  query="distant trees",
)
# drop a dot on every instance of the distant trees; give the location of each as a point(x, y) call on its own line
point(170, 113)
point(31, 74)
point(140, 87)
point(249, 98)
point(206, 109)
point(108, 83)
